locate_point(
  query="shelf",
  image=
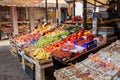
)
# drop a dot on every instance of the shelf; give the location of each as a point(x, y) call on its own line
point(71, 22)
point(23, 21)
point(5, 22)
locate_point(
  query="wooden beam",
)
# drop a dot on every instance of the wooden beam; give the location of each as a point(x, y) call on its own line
point(85, 14)
point(57, 12)
point(46, 11)
point(73, 7)
point(99, 2)
point(31, 17)
point(14, 20)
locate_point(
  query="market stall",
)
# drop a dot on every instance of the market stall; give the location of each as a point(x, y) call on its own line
point(65, 43)
point(38, 48)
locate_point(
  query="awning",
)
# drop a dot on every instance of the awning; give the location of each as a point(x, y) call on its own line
point(41, 3)
point(52, 3)
point(33, 3)
point(20, 3)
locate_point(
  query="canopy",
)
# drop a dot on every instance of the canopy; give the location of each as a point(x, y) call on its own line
point(41, 3)
point(32, 3)
point(52, 3)
point(19, 2)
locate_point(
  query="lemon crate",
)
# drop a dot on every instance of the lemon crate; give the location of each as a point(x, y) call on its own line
point(13, 49)
point(29, 66)
point(35, 68)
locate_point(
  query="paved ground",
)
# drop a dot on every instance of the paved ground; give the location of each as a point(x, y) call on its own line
point(10, 69)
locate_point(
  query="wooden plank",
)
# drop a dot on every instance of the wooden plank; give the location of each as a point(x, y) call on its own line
point(45, 61)
point(40, 75)
point(46, 66)
point(40, 67)
point(30, 65)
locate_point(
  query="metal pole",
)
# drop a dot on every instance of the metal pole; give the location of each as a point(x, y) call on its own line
point(73, 7)
point(85, 14)
point(46, 11)
point(57, 12)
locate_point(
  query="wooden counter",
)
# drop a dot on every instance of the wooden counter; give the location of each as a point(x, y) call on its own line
point(72, 22)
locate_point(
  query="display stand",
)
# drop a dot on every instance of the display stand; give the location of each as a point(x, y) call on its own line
point(36, 67)
point(83, 55)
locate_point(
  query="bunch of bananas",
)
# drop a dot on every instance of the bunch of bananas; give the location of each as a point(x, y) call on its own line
point(41, 54)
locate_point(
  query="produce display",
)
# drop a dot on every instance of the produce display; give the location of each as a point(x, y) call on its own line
point(47, 40)
point(71, 38)
point(41, 54)
point(53, 33)
point(31, 42)
point(73, 29)
point(28, 49)
point(33, 35)
point(73, 45)
point(63, 42)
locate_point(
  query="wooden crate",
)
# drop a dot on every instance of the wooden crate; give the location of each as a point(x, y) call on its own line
point(29, 68)
point(40, 68)
point(13, 50)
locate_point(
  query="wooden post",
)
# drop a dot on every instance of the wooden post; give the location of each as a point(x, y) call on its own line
point(85, 13)
point(73, 7)
point(31, 14)
point(46, 11)
point(27, 13)
point(57, 12)
point(39, 73)
point(14, 20)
